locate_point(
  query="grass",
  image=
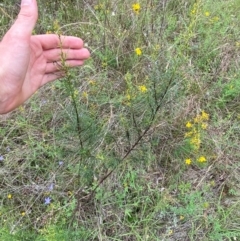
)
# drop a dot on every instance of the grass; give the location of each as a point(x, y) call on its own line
point(142, 142)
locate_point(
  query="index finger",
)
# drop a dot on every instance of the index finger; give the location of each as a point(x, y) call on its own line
point(50, 41)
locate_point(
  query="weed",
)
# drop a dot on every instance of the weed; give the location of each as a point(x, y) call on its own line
point(142, 142)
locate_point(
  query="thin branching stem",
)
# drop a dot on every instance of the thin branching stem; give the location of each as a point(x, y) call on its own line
point(159, 102)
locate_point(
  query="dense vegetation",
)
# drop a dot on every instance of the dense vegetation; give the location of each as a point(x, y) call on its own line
point(143, 141)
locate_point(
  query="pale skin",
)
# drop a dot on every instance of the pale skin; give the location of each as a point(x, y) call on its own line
point(27, 62)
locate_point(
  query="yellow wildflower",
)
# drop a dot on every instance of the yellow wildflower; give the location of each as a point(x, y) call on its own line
point(202, 159)
point(136, 8)
point(189, 124)
point(207, 14)
point(181, 217)
point(192, 133)
point(23, 214)
point(142, 88)
point(9, 196)
point(188, 161)
point(138, 51)
point(204, 116)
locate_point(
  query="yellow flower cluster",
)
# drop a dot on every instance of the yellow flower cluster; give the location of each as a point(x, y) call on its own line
point(201, 118)
point(194, 133)
point(195, 128)
point(195, 8)
point(200, 159)
point(213, 19)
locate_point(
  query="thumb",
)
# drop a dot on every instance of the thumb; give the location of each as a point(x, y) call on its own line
point(26, 19)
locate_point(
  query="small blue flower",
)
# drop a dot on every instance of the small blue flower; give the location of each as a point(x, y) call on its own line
point(47, 200)
point(43, 102)
point(60, 163)
point(51, 186)
point(1, 158)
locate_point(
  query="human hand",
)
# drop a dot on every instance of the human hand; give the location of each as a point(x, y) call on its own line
point(28, 62)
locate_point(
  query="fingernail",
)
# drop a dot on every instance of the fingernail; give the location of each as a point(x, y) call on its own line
point(26, 2)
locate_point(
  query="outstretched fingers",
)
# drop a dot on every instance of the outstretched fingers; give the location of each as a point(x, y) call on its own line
point(52, 41)
point(56, 66)
point(66, 54)
point(58, 51)
point(54, 70)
